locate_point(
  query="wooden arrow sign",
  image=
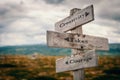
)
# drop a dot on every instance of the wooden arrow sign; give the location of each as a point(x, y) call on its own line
point(86, 60)
point(79, 18)
point(70, 40)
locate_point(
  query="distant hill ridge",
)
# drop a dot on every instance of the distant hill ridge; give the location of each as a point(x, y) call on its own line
point(43, 49)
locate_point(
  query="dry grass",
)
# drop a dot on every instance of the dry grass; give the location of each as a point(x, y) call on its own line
point(21, 67)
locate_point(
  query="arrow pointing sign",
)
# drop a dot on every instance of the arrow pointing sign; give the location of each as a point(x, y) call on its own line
point(86, 14)
point(70, 40)
point(86, 60)
point(79, 18)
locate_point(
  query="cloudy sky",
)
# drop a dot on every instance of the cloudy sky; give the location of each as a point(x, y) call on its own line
point(26, 21)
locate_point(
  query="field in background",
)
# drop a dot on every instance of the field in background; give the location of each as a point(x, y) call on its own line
point(45, 50)
point(39, 67)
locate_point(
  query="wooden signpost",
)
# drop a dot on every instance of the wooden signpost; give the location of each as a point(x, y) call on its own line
point(74, 40)
point(83, 46)
point(78, 61)
point(79, 18)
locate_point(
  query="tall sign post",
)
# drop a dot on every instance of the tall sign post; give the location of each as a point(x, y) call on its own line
point(83, 46)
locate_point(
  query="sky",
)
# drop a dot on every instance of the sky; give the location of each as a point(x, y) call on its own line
point(25, 22)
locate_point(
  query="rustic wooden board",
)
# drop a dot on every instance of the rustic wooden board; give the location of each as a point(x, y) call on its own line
point(74, 40)
point(86, 60)
point(79, 18)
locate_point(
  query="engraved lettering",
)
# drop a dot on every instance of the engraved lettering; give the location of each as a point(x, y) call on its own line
point(80, 60)
point(74, 19)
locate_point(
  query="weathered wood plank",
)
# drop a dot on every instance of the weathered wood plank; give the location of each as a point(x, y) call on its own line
point(74, 40)
point(79, 18)
point(74, 62)
point(79, 74)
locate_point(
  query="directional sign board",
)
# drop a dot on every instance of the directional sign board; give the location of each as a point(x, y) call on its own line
point(79, 18)
point(86, 60)
point(70, 40)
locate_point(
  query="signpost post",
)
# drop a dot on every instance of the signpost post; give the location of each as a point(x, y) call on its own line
point(83, 46)
point(79, 73)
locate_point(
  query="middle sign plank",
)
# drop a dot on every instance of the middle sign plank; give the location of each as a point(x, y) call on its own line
point(79, 18)
point(86, 60)
point(72, 40)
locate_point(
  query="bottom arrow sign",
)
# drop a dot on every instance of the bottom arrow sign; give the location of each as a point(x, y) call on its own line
point(86, 60)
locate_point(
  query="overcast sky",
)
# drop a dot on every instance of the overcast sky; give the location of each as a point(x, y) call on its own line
point(26, 21)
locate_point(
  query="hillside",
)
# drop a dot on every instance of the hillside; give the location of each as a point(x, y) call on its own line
point(43, 49)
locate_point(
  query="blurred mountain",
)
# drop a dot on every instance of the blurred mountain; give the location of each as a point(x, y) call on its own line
point(44, 50)
point(114, 49)
point(31, 49)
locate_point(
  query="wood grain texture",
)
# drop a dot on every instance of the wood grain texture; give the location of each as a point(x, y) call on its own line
point(74, 41)
point(80, 73)
point(79, 18)
point(78, 61)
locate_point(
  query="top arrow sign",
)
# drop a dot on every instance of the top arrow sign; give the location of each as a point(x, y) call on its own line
point(79, 18)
